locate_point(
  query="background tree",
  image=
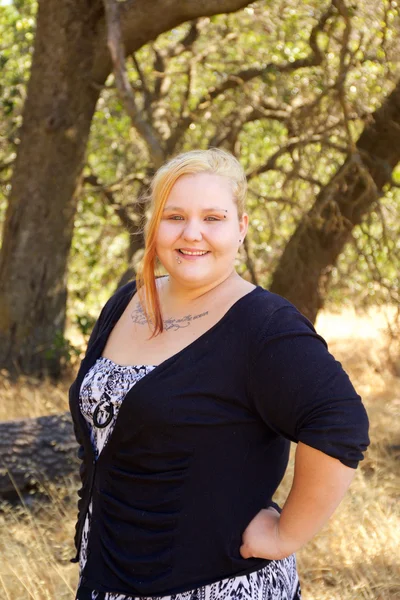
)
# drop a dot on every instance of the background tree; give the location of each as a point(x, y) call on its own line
point(69, 66)
point(327, 78)
point(288, 88)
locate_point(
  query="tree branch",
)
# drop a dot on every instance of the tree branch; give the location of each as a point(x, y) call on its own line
point(249, 262)
point(238, 79)
point(343, 70)
point(147, 95)
point(139, 26)
point(120, 210)
point(163, 80)
point(116, 47)
point(271, 162)
point(278, 199)
point(185, 44)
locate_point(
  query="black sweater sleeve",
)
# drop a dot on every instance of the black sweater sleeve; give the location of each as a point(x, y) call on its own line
point(81, 450)
point(302, 392)
point(105, 315)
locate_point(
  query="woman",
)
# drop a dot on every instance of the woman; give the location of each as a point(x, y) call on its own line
point(192, 387)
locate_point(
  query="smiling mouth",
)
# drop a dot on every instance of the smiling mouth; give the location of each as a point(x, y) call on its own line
point(193, 252)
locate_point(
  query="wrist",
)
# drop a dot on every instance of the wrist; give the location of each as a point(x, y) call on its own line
point(285, 541)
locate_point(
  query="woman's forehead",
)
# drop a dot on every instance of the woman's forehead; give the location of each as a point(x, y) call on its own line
point(201, 188)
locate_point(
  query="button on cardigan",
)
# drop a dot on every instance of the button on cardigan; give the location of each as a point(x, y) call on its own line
point(201, 444)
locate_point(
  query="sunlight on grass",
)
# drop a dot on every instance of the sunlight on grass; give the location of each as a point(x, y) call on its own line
point(36, 545)
point(355, 557)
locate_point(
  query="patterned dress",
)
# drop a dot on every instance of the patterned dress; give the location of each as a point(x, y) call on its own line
point(101, 395)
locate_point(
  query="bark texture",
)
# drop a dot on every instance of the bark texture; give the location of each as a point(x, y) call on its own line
point(35, 450)
point(303, 273)
point(39, 221)
point(70, 64)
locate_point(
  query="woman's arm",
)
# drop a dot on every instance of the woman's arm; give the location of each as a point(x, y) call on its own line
point(319, 485)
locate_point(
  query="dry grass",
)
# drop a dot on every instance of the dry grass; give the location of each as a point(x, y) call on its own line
point(354, 558)
point(31, 397)
point(36, 547)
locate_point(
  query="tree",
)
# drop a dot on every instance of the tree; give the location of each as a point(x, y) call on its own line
point(304, 270)
point(69, 67)
point(301, 274)
point(35, 450)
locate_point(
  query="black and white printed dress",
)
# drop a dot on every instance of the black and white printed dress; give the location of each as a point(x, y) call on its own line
point(101, 395)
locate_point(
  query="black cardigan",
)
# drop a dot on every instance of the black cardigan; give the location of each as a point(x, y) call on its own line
point(201, 444)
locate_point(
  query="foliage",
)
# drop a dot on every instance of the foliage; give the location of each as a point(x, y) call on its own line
point(317, 77)
point(17, 31)
point(62, 349)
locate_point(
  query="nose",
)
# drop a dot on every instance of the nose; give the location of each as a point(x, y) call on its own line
point(192, 231)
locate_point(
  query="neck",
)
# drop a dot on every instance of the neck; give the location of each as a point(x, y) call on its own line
point(174, 294)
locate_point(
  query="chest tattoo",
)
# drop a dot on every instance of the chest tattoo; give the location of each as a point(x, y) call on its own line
point(139, 318)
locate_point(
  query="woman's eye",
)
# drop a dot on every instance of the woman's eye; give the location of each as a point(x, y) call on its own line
point(180, 218)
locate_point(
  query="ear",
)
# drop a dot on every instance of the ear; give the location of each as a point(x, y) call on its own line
point(243, 225)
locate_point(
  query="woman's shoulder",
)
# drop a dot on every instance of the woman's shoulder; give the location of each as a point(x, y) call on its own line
point(269, 314)
point(128, 289)
point(125, 290)
point(263, 304)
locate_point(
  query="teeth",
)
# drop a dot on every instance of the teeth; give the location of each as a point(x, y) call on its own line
point(199, 253)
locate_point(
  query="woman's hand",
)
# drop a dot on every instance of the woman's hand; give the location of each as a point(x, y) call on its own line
point(319, 484)
point(261, 538)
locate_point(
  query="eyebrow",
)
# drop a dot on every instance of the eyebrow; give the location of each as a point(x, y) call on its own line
point(210, 209)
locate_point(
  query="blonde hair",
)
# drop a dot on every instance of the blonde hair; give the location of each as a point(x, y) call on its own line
point(213, 160)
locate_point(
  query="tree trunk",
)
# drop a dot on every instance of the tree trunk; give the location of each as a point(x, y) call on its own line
point(39, 221)
point(34, 451)
point(70, 64)
point(303, 272)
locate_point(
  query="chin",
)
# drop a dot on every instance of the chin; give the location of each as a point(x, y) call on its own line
point(191, 276)
point(194, 277)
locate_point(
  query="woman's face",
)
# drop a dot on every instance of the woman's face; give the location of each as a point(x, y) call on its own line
point(199, 232)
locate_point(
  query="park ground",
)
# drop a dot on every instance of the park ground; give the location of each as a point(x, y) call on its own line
point(355, 557)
